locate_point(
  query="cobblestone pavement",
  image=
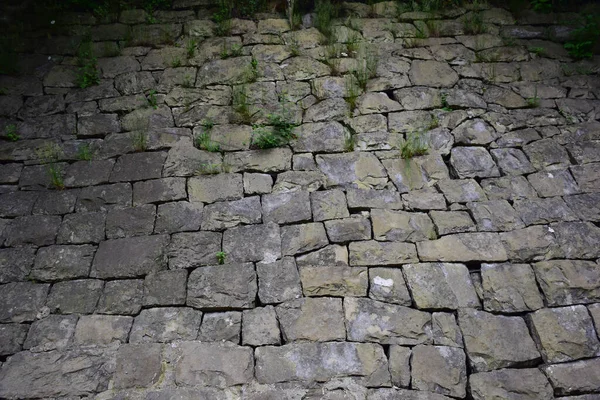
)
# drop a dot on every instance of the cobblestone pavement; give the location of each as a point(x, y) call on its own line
point(348, 272)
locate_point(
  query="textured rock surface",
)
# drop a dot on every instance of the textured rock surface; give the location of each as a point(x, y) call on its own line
point(181, 260)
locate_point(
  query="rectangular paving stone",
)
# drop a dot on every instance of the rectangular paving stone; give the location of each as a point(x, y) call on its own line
point(130, 257)
point(371, 252)
point(211, 364)
point(218, 287)
point(320, 362)
point(463, 247)
point(369, 320)
point(42, 375)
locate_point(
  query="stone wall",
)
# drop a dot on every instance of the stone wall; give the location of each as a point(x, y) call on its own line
point(327, 268)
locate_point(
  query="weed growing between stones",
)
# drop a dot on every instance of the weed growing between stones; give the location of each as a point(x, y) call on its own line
point(176, 62)
point(140, 141)
point(251, 74)
point(49, 155)
point(433, 27)
point(539, 51)
point(473, 24)
point(240, 104)
point(533, 102)
point(191, 48)
point(152, 101)
point(84, 152)
point(10, 133)
point(367, 67)
point(584, 39)
point(188, 81)
point(212, 169)
point(543, 6)
point(293, 46)
point(278, 132)
point(349, 143)
point(223, 18)
point(235, 50)
point(221, 255)
point(203, 141)
point(445, 105)
point(352, 91)
point(87, 74)
point(325, 12)
point(414, 145)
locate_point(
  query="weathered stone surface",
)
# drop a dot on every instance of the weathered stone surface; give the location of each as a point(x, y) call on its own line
point(432, 73)
point(82, 228)
point(462, 190)
point(381, 253)
point(401, 226)
point(15, 264)
point(137, 365)
point(447, 222)
point(565, 334)
point(159, 190)
point(373, 321)
point(12, 337)
point(130, 221)
point(512, 161)
point(138, 166)
point(22, 301)
point(218, 187)
point(271, 160)
point(439, 369)
point(260, 327)
point(278, 281)
point(54, 332)
point(320, 137)
point(212, 364)
point(302, 238)
point(463, 247)
point(41, 375)
point(104, 197)
point(77, 296)
point(566, 282)
point(222, 215)
point(394, 393)
point(553, 183)
point(534, 243)
point(253, 243)
point(494, 341)
point(329, 204)
point(193, 249)
point(334, 281)
point(98, 125)
point(495, 215)
point(321, 362)
point(16, 204)
point(165, 324)
point(576, 377)
point(371, 198)
point(56, 203)
point(541, 211)
point(121, 297)
point(130, 257)
point(509, 288)
point(62, 262)
point(39, 230)
point(221, 326)
point(445, 330)
point(356, 227)
point(102, 329)
point(388, 285)
point(577, 239)
point(357, 169)
point(286, 207)
point(472, 162)
point(441, 286)
point(165, 288)
point(230, 286)
point(410, 121)
point(474, 132)
point(179, 216)
point(511, 384)
point(311, 319)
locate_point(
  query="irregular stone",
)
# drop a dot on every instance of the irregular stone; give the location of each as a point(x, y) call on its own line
point(441, 286)
point(257, 183)
point(542, 211)
point(474, 131)
point(121, 297)
point(462, 190)
point(214, 188)
point(179, 216)
point(410, 121)
point(304, 68)
point(311, 319)
point(577, 239)
point(445, 330)
point(336, 281)
point(22, 301)
point(388, 285)
point(575, 377)
point(439, 369)
point(320, 137)
point(509, 288)
point(271, 160)
point(193, 249)
point(62, 262)
point(357, 169)
point(566, 282)
point(165, 324)
point(356, 227)
point(463, 247)
point(302, 238)
point(253, 243)
point(212, 364)
point(432, 73)
point(508, 188)
point(42, 375)
point(130, 257)
point(137, 365)
point(286, 207)
point(330, 204)
point(221, 327)
point(394, 393)
point(322, 361)
point(232, 71)
point(130, 221)
point(15, 264)
point(374, 321)
point(424, 199)
point(98, 125)
point(401, 226)
point(231, 286)
point(56, 203)
point(371, 198)
point(54, 332)
point(381, 253)
point(78, 296)
point(534, 243)
point(512, 161)
point(565, 334)
point(494, 341)
point(81, 228)
point(104, 197)
point(165, 288)
point(221, 215)
point(327, 256)
point(545, 153)
point(587, 177)
point(102, 329)
point(12, 337)
point(278, 281)
point(39, 230)
point(495, 215)
point(471, 162)
point(260, 326)
point(138, 166)
point(447, 222)
point(511, 384)
point(159, 190)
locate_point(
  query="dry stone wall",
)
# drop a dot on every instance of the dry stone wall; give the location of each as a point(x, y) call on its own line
point(331, 267)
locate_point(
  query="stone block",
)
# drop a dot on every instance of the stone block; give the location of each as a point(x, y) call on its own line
point(218, 187)
point(137, 365)
point(339, 281)
point(463, 247)
point(165, 288)
point(511, 384)
point(159, 190)
point(55, 332)
point(130, 257)
point(12, 337)
point(260, 327)
point(78, 296)
point(329, 204)
point(229, 286)
point(302, 238)
point(165, 324)
point(81, 228)
point(510, 288)
point(193, 249)
point(227, 214)
point(22, 301)
point(121, 297)
point(278, 281)
point(253, 243)
point(15, 264)
point(575, 377)
point(55, 263)
point(381, 253)
point(102, 329)
point(221, 327)
point(439, 369)
point(311, 319)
